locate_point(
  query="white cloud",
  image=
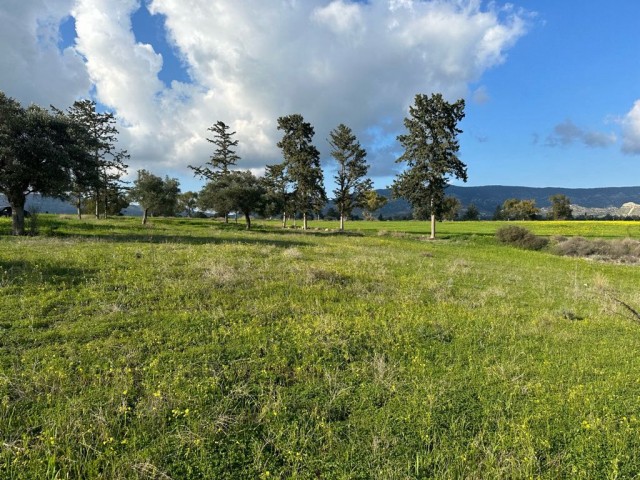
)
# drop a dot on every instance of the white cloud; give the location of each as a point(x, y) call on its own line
point(252, 61)
point(32, 69)
point(631, 131)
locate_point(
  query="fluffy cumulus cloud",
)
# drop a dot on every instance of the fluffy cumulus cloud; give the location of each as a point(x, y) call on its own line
point(252, 61)
point(631, 131)
point(567, 133)
point(32, 68)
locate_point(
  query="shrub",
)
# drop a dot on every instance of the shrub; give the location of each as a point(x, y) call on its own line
point(624, 250)
point(521, 238)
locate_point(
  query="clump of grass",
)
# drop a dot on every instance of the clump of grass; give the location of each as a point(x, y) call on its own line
point(521, 237)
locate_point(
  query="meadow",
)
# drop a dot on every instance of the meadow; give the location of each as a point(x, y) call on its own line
point(190, 349)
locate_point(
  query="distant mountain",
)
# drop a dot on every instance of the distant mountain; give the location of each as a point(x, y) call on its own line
point(589, 201)
point(38, 203)
point(487, 198)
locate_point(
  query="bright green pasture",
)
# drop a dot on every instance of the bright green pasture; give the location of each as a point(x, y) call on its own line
point(194, 350)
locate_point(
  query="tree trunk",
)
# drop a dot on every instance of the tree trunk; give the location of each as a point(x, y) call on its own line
point(341, 222)
point(226, 217)
point(304, 221)
point(17, 215)
point(97, 204)
point(284, 220)
point(433, 227)
point(247, 218)
point(144, 216)
point(79, 208)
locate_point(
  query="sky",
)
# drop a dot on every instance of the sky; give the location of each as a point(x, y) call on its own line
point(552, 88)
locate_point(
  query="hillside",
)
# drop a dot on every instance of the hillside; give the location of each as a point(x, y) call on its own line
point(486, 198)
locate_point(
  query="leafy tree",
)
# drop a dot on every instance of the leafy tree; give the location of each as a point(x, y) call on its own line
point(352, 169)
point(372, 202)
point(431, 148)
point(278, 198)
point(515, 209)
point(240, 191)
point(560, 207)
point(117, 200)
point(187, 202)
point(39, 152)
point(472, 213)
point(224, 155)
point(110, 160)
point(154, 194)
point(302, 163)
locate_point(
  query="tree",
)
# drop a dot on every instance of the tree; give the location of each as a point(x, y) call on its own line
point(302, 163)
point(239, 191)
point(515, 209)
point(352, 169)
point(224, 156)
point(560, 207)
point(372, 202)
point(278, 196)
point(431, 148)
point(472, 213)
point(187, 202)
point(39, 152)
point(154, 194)
point(110, 160)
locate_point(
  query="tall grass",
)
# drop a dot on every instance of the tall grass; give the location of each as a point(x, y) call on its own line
point(191, 349)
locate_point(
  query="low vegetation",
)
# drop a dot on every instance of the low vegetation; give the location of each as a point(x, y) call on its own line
point(194, 349)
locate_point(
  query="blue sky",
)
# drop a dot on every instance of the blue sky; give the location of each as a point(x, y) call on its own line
point(551, 87)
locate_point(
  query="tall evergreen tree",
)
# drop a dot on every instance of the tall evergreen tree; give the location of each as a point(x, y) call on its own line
point(431, 148)
point(351, 180)
point(223, 157)
point(302, 163)
point(111, 161)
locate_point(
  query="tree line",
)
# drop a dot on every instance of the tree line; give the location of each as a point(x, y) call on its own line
point(73, 154)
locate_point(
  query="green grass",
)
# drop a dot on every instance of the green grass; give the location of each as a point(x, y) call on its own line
point(192, 349)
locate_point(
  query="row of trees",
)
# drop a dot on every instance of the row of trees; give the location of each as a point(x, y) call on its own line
point(73, 154)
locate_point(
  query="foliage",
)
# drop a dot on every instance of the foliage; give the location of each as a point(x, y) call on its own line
point(626, 250)
point(116, 201)
point(154, 194)
point(278, 198)
point(223, 157)
point(236, 191)
point(39, 152)
point(302, 164)
point(131, 352)
point(515, 209)
point(188, 202)
point(471, 213)
point(449, 210)
point(351, 182)
point(521, 237)
point(431, 148)
point(110, 161)
point(373, 201)
point(560, 207)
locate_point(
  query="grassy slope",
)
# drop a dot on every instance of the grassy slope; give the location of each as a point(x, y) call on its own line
point(194, 350)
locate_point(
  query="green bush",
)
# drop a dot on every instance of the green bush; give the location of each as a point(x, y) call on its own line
point(521, 238)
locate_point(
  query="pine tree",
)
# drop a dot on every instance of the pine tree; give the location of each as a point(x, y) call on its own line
point(352, 169)
point(431, 149)
point(111, 166)
point(302, 163)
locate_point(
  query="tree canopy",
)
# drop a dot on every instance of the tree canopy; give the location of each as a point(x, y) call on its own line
point(302, 164)
point(351, 181)
point(154, 194)
point(431, 148)
point(39, 152)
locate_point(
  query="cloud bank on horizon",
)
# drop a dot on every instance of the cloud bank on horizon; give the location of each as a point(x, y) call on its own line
point(250, 62)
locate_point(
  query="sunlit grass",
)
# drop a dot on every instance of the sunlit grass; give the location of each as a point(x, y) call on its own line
point(193, 349)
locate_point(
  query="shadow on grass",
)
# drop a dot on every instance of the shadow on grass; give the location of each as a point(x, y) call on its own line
point(23, 271)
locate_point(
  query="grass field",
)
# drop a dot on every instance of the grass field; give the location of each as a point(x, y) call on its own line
point(188, 349)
